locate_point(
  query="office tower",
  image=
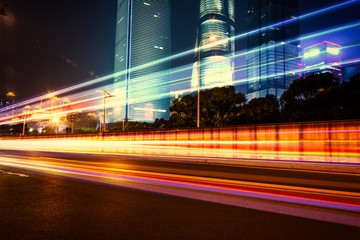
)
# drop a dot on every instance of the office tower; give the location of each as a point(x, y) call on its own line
point(7, 99)
point(216, 25)
point(273, 53)
point(142, 80)
point(323, 57)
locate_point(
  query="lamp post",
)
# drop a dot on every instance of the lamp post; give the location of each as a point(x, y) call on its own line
point(211, 37)
point(106, 95)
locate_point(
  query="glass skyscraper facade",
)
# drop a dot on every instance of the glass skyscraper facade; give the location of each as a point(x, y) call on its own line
point(272, 59)
point(216, 19)
point(323, 57)
point(142, 80)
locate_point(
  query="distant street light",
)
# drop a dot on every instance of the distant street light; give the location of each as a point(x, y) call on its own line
point(211, 37)
point(51, 96)
point(106, 95)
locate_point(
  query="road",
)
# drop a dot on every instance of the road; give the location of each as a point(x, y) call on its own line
point(74, 196)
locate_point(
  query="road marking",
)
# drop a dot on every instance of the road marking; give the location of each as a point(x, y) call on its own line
point(332, 206)
point(15, 174)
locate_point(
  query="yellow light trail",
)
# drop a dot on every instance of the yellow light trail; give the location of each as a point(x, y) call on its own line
point(88, 83)
point(323, 201)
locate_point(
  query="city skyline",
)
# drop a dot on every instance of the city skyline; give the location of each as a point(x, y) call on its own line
point(75, 66)
point(180, 119)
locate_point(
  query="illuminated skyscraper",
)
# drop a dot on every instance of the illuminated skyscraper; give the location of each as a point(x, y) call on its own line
point(142, 82)
point(216, 19)
point(323, 57)
point(7, 99)
point(272, 59)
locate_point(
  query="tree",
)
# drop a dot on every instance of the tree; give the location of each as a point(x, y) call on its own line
point(219, 106)
point(261, 110)
point(312, 98)
point(83, 121)
point(350, 97)
point(183, 112)
point(160, 123)
point(13, 129)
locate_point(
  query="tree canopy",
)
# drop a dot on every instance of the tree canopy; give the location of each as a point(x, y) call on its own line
point(261, 110)
point(219, 106)
point(321, 97)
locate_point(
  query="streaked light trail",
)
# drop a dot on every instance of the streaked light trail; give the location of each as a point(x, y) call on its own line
point(331, 142)
point(321, 204)
point(101, 79)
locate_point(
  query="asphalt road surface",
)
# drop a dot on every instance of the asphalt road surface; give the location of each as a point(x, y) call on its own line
point(44, 205)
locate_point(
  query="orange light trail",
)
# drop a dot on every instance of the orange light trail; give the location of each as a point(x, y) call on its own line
point(335, 142)
point(329, 199)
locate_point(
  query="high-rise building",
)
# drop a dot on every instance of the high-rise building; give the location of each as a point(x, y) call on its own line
point(323, 57)
point(7, 99)
point(273, 52)
point(217, 24)
point(142, 79)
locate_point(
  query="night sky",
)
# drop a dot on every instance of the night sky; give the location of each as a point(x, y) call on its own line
point(46, 45)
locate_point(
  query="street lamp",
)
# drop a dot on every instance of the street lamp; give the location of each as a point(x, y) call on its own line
point(51, 96)
point(106, 95)
point(211, 37)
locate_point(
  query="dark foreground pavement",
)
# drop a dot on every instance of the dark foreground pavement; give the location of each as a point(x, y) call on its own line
point(40, 206)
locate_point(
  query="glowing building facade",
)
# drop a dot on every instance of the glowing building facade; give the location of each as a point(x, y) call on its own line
point(273, 58)
point(142, 80)
point(216, 20)
point(323, 57)
point(7, 99)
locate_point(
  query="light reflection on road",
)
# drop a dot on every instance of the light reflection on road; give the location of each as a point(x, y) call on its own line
point(321, 204)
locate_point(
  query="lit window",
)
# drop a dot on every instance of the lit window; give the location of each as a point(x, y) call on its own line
point(148, 4)
point(161, 48)
point(312, 53)
point(334, 51)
